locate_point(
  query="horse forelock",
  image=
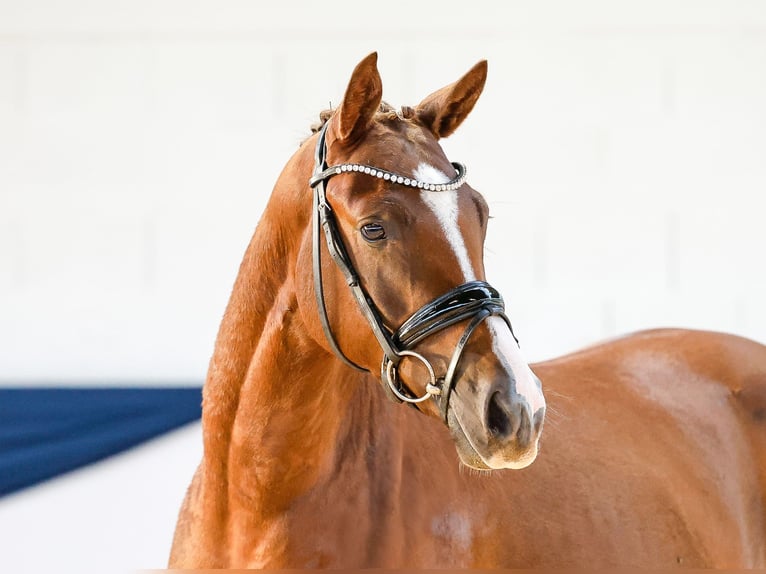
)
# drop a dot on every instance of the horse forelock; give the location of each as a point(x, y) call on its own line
point(385, 112)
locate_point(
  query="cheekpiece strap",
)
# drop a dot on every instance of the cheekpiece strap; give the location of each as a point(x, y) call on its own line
point(324, 223)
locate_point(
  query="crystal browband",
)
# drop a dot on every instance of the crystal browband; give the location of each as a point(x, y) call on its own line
point(451, 185)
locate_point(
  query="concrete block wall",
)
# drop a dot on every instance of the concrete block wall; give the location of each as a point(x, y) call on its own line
point(621, 146)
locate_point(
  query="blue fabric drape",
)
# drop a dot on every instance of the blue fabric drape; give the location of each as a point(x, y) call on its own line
point(45, 432)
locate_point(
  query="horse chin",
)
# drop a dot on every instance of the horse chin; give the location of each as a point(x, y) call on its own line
point(470, 456)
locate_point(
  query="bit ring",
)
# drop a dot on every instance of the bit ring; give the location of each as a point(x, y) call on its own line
point(431, 387)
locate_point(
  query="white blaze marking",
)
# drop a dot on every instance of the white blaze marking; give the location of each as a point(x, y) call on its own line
point(508, 352)
point(444, 206)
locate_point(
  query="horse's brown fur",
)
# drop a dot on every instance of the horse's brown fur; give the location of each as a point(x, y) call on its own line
point(654, 453)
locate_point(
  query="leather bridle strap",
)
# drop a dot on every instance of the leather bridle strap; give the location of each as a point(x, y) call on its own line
point(449, 380)
point(326, 220)
point(461, 303)
point(321, 220)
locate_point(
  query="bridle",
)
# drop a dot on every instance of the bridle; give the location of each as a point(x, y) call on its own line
point(474, 300)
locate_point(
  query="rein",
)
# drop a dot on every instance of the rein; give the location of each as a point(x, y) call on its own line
point(475, 300)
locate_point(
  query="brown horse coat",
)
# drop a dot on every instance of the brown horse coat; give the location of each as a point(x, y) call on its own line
point(654, 452)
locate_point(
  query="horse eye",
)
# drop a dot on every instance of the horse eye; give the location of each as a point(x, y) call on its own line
point(373, 232)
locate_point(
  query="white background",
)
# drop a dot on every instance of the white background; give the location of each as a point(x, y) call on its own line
point(621, 146)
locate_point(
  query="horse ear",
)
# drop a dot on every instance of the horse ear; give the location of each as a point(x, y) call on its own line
point(361, 101)
point(444, 110)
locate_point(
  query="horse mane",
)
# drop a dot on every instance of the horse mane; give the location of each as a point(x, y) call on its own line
point(385, 112)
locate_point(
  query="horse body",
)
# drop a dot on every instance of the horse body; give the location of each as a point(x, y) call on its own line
point(655, 453)
point(654, 460)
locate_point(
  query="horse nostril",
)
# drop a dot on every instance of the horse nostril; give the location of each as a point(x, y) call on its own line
point(510, 421)
point(500, 422)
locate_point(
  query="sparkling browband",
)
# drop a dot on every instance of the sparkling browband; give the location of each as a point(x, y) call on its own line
point(451, 185)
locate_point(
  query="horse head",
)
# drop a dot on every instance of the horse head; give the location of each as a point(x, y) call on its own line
point(394, 274)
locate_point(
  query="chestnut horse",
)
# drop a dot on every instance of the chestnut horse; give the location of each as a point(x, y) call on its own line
point(370, 248)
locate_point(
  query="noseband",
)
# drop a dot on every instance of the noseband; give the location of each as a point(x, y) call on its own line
point(475, 300)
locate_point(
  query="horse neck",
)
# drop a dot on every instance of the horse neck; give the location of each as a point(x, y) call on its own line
point(269, 382)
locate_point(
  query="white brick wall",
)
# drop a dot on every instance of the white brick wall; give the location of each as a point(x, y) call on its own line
point(622, 147)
